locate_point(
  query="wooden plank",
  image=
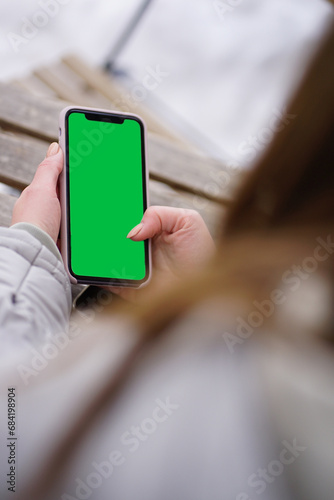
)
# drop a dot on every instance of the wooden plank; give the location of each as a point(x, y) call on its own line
point(20, 157)
point(197, 174)
point(160, 194)
point(105, 85)
point(27, 113)
point(7, 203)
point(35, 86)
point(61, 89)
point(23, 112)
point(212, 213)
point(77, 83)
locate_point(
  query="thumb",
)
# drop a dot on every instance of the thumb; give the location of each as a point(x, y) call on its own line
point(48, 171)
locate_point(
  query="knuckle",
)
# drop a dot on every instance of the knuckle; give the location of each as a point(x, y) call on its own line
point(29, 192)
point(46, 163)
point(51, 163)
point(191, 214)
point(153, 210)
point(150, 210)
point(152, 213)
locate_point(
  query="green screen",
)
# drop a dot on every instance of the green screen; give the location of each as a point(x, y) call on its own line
point(105, 197)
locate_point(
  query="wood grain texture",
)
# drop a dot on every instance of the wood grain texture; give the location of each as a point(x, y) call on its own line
point(23, 112)
point(29, 122)
point(63, 89)
point(118, 97)
point(194, 173)
point(74, 81)
point(35, 86)
point(20, 156)
point(212, 213)
point(52, 80)
point(6, 208)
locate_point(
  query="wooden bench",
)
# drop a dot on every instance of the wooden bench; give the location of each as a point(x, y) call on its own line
point(179, 177)
point(73, 80)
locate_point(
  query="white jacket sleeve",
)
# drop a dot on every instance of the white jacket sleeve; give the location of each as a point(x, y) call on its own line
point(35, 292)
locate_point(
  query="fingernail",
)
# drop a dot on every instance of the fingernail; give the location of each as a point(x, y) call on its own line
point(135, 231)
point(53, 149)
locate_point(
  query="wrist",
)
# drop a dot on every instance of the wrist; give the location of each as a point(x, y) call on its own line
point(40, 235)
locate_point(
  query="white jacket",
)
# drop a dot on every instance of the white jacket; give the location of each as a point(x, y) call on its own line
point(35, 292)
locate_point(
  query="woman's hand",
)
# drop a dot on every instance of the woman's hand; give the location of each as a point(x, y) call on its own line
point(39, 202)
point(181, 243)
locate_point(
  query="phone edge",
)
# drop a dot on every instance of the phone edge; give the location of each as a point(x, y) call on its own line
point(63, 191)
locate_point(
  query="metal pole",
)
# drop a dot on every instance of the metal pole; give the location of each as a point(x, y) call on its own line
point(126, 35)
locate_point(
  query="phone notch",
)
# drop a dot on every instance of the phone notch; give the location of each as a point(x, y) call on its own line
point(119, 120)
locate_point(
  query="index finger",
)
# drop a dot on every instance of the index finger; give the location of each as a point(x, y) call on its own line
point(159, 219)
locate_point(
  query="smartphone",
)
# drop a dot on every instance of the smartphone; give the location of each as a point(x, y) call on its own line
point(103, 194)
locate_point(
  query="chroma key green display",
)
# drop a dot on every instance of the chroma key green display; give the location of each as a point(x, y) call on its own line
point(106, 196)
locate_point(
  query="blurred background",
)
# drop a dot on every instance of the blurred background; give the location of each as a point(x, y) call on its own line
point(217, 72)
